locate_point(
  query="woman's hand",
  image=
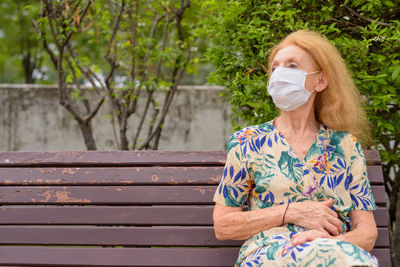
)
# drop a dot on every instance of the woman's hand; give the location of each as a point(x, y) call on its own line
point(314, 215)
point(307, 236)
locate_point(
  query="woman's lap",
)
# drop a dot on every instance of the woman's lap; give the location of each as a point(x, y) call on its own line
point(278, 251)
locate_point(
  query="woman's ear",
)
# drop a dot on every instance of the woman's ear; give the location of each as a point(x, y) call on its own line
point(322, 82)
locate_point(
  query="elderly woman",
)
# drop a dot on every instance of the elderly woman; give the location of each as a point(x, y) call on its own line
point(302, 174)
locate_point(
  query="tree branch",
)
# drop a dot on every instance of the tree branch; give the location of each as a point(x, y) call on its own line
point(87, 72)
point(111, 61)
point(142, 119)
point(82, 15)
point(115, 28)
point(133, 28)
point(352, 11)
point(45, 45)
point(175, 79)
point(90, 116)
point(158, 71)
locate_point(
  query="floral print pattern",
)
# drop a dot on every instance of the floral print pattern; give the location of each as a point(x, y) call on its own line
point(262, 170)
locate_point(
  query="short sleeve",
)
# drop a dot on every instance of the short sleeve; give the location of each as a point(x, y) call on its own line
point(357, 181)
point(235, 184)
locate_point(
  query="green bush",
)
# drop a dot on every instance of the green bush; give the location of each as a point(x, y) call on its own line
point(366, 32)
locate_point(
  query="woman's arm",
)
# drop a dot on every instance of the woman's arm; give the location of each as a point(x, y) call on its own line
point(363, 232)
point(233, 223)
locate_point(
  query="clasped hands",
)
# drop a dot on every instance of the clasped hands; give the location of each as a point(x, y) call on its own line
point(317, 217)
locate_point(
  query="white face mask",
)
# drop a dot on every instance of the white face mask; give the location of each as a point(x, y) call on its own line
point(286, 87)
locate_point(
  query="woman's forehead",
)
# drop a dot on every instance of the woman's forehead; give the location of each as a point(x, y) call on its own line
point(293, 53)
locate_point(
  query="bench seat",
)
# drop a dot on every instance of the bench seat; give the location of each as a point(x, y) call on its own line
point(125, 208)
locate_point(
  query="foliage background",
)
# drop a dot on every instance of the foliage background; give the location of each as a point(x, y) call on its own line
point(366, 33)
point(123, 49)
point(20, 42)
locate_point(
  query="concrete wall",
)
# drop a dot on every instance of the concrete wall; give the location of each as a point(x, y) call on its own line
point(31, 119)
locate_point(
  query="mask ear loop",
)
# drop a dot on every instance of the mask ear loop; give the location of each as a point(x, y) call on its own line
point(313, 72)
point(313, 90)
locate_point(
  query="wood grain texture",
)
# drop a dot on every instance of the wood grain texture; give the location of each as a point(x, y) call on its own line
point(113, 158)
point(128, 158)
point(127, 175)
point(166, 257)
point(107, 195)
point(122, 195)
point(188, 236)
point(111, 176)
point(121, 215)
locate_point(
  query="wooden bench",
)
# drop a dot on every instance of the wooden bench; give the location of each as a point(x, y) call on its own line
point(124, 208)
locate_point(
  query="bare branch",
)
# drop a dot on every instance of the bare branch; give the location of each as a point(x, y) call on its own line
point(114, 129)
point(352, 11)
point(133, 29)
point(111, 61)
point(82, 15)
point(95, 110)
point(86, 71)
point(45, 45)
point(153, 121)
point(142, 119)
point(115, 28)
point(150, 92)
point(50, 18)
point(163, 44)
point(176, 77)
point(157, 19)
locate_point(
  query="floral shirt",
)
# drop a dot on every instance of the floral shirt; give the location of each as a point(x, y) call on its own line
point(262, 170)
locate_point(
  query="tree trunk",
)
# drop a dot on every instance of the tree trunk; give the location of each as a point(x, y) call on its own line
point(123, 127)
point(87, 133)
point(28, 67)
point(395, 231)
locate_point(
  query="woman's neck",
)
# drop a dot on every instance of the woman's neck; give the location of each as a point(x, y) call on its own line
point(299, 122)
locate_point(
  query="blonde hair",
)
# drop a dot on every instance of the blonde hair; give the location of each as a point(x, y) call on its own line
point(339, 106)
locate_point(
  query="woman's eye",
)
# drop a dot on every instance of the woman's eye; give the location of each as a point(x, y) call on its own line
point(293, 66)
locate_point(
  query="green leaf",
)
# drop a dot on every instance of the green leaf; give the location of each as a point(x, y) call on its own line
point(396, 72)
point(389, 3)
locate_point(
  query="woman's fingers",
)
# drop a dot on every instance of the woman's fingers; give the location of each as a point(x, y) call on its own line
point(303, 237)
point(337, 225)
point(331, 212)
point(315, 215)
point(331, 227)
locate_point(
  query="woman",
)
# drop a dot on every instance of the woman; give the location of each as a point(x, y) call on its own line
point(303, 174)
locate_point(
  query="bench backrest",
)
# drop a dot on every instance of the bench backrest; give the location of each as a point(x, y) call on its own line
point(124, 208)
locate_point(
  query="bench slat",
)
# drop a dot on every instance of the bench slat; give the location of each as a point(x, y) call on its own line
point(127, 236)
point(112, 236)
point(375, 174)
point(128, 158)
point(113, 158)
point(126, 175)
point(121, 195)
point(121, 215)
point(107, 215)
point(167, 257)
point(110, 176)
point(383, 256)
